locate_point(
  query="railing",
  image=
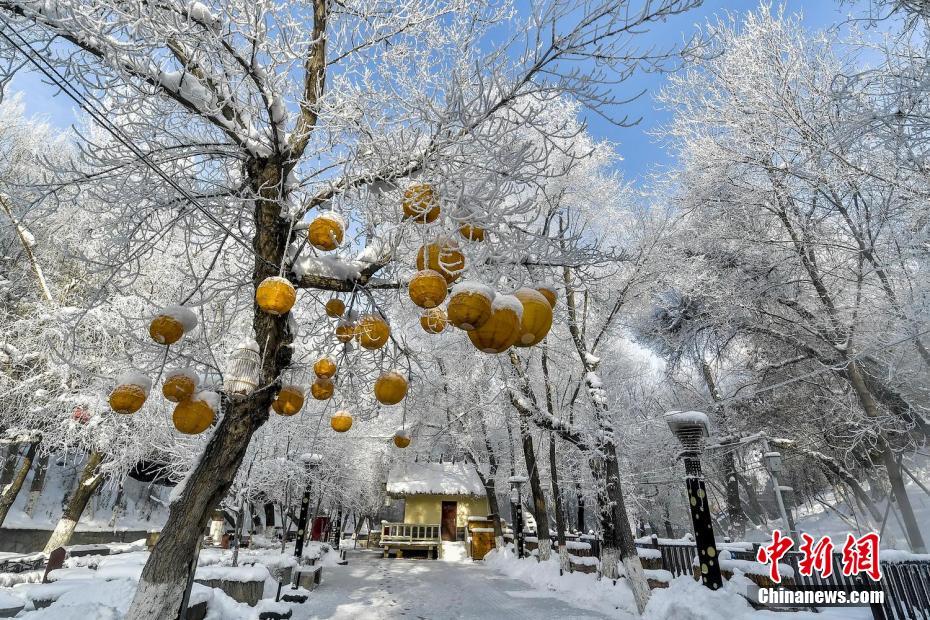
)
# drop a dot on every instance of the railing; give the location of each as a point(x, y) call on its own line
point(409, 534)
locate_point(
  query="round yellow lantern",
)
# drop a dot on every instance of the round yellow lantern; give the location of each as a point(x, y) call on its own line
point(470, 305)
point(442, 256)
point(335, 308)
point(171, 323)
point(326, 232)
point(372, 331)
point(345, 331)
point(325, 368)
point(289, 401)
point(341, 421)
point(401, 438)
point(390, 388)
point(322, 389)
point(275, 295)
point(132, 388)
point(195, 415)
point(427, 288)
point(433, 321)
point(420, 203)
point(180, 384)
point(537, 317)
point(471, 232)
point(549, 293)
point(502, 330)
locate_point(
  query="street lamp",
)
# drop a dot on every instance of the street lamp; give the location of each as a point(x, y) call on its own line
point(773, 464)
point(516, 508)
point(310, 461)
point(691, 429)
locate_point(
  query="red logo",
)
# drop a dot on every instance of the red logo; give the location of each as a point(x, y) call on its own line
point(774, 552)
point(859, 555)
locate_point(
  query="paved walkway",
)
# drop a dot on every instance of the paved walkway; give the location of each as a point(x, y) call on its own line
point(374, 588)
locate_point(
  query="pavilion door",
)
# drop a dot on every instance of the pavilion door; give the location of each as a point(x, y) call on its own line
point(447, 527)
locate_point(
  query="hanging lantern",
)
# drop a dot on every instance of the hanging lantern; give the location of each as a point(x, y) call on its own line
point(471, 232)
point(548, 291)
point(401, 438)
point(171, 323)
point(132, 388)
point(390, 388)
point(442, 256)
point(420, 203)
point(326, 231)
point(502, 330)
point(345, 331)
point(372, 331)
point(80, 415)
point(341, 421)
point(537, 317)
point(275, 295)
point(427, 288)
point(322, 388)
point(180, 384)
point(433, 320)
point(195, 415)
point(243, 368)
point(335, 308)
point(470, 305)
point(325, 368)
point(289, 401)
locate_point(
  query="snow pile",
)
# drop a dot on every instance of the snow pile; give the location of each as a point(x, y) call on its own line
point(508, 302)
point(327, 267)
point(134, 377)
point(190, 373)
point(579, 589)
point(183, 315)
point(474, 287)
point(434, 478)
point(454, 551)
point(255, 572)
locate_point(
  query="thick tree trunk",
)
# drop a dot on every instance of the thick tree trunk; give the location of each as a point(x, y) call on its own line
point(88, 483)
point(10, 458)
point(564, 564)
point(37, 485)
point(544, 542)
point(579, 498)
point(11, 490)
point(165, 575)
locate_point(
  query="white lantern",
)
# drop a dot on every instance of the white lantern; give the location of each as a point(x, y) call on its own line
point(243, 368)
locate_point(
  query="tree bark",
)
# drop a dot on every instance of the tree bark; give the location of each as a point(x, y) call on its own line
point(11, 490)
point(37, 484)
point(88, 483)
point(544, 543)
point(564, 563)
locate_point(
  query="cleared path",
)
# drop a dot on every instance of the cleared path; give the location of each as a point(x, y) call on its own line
point(374, 588)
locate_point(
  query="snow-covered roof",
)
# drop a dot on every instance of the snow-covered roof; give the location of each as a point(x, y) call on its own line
point(434, 478)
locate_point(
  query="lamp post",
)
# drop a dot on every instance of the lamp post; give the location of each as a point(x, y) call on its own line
point(691, 428)
point(310, 461)
point(772, 461)
point(516, 508)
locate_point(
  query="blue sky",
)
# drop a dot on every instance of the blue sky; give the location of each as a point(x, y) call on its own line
point(639, 150)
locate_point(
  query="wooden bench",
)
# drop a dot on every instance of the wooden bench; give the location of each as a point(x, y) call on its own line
point(401, 537)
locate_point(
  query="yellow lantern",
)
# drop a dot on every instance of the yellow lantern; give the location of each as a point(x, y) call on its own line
point(325, 368)
point(180, 384)
point(433, 320)
point(470, 305)
point(549, 293)
point(427, 288)
point(372, 331)
point(420, 203)
point(171, 323)
point(390, 388)
point(275, 295)
point(341, 421)
point(443, 256)
point(345, 331)
point(335, 308)
point(401, 438)
point(502, 330)
point(132, 388)
point(471, 232)
point(537, 317)
point(289, 400)
point(322, 389)
point(326, 232)
point(195, 415)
